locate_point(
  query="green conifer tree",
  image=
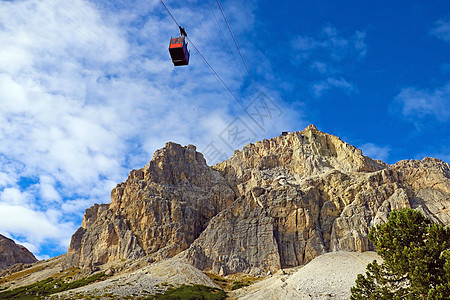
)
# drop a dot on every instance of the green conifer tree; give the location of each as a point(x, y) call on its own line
point(416, 260)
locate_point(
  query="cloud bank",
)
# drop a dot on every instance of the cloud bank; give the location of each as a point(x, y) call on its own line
point(419, 104)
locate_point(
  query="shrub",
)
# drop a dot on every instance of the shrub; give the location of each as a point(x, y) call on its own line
point(416, 254)
point(191, 292)
point(238, 285)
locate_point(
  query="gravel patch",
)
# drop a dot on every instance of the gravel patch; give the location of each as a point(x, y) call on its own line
point(329, 276)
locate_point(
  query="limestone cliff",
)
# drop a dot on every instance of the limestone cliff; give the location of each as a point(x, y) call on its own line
point(277, 203)
point(12, 253)
point(306, 193)
point(159, 211)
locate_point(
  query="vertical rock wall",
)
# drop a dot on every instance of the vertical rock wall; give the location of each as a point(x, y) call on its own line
point(277, 203)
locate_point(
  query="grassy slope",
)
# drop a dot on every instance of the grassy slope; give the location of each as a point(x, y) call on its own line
point(48, 286)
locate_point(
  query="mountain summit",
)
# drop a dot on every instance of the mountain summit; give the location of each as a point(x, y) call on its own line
point(12, 253)
point(158, 211)
point(275, 204)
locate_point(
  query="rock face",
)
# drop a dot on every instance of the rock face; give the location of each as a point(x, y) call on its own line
point(12, 253)
point(159, 211)
point(277, 203)
point(308, 193)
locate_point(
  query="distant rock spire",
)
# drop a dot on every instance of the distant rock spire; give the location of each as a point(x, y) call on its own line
point(11, 253)
point(311, 127)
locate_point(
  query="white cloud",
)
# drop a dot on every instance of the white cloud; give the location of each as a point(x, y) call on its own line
point(15, 196)
point(416, 104)
point(330, 45)
point(48, 191)
point(359, 43)
point(441, 29)
point(10, 170)
point(323, 67)
point(377, 152)
point(329, 53)
point(36, 227)
point(305, 43)
point(323, 86)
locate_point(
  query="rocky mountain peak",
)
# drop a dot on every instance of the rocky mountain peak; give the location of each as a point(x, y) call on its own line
point(306, 193)
point(158, 211)
point(310, 127)
point(297, 154)
point(12, 253)
point(276, 203)
point(175, 163)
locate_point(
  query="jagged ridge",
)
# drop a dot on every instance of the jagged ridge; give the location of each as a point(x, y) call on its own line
point(277, 203)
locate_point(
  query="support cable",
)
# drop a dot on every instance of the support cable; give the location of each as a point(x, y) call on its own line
point(225, 86)
point(245, 65)
point(223, 36)
point(173, 18)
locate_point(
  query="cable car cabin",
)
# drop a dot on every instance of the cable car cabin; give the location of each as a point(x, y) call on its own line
point(178, 51)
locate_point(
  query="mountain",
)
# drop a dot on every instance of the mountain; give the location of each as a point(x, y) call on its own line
point(158, 212)
point(291, 213)
point(308, 193)
point(12, 253)
point(275, 204)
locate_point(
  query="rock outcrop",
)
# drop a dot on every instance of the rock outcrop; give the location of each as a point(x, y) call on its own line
point(159, 211)
point(275, 204)
point(12, 253)
point(307, 193)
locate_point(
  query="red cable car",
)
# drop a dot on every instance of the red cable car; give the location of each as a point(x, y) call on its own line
point(178, 51)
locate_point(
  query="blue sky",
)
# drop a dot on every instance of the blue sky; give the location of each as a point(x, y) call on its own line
point(88, 91)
